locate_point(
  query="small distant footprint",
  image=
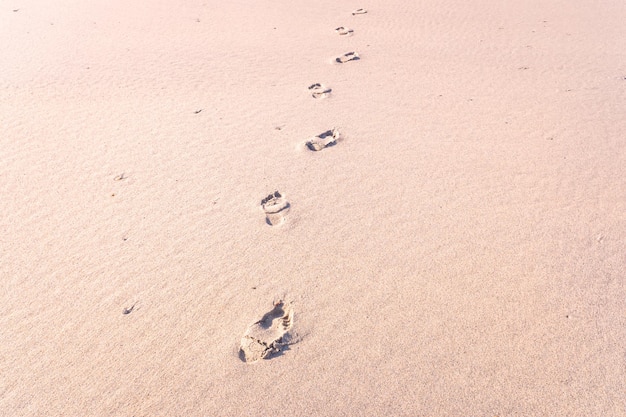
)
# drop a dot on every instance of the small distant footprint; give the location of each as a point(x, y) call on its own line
point(323, 140)
point(343, 31)
point(319, 90)
point(268, 336)
point(347, 57)
point(359, 11)
point(275, 207)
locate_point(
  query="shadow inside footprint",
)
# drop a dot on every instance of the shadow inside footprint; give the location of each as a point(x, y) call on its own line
point(275, 207)
point(319, 90)
point(343, 31)
point(323, 140)
point(269, 336)
point(359, 11)
point(347, 57)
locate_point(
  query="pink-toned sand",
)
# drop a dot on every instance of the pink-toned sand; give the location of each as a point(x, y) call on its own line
point(460, 251)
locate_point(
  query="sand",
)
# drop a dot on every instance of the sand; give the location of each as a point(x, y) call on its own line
point(458, 249)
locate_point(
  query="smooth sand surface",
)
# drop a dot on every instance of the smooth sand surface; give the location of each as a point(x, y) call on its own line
point(459, 250)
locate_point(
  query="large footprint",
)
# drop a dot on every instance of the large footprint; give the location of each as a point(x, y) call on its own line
point(275, 207)
point(347, 57)
point(323, 140)
point(268, 336)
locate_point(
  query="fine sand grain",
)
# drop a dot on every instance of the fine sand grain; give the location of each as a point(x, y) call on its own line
point(185, 232)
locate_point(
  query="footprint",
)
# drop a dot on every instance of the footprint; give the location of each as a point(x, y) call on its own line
point(268, 336)
point(343, 31)
point(323, 140)
point(275, 207)
point(319, 90)
point(359, 11)
point(347, 57)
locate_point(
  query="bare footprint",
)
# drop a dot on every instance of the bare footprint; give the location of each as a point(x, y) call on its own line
point(319, 90)
point(347, 57)
point(275, 207)
point(343, 31)
point(358, 11)
point(268, 336)
point(323, 140)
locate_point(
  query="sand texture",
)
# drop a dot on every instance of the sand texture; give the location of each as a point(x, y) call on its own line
point(312, 208)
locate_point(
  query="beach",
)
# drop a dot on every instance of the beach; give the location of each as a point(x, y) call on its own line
point(313, 208)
